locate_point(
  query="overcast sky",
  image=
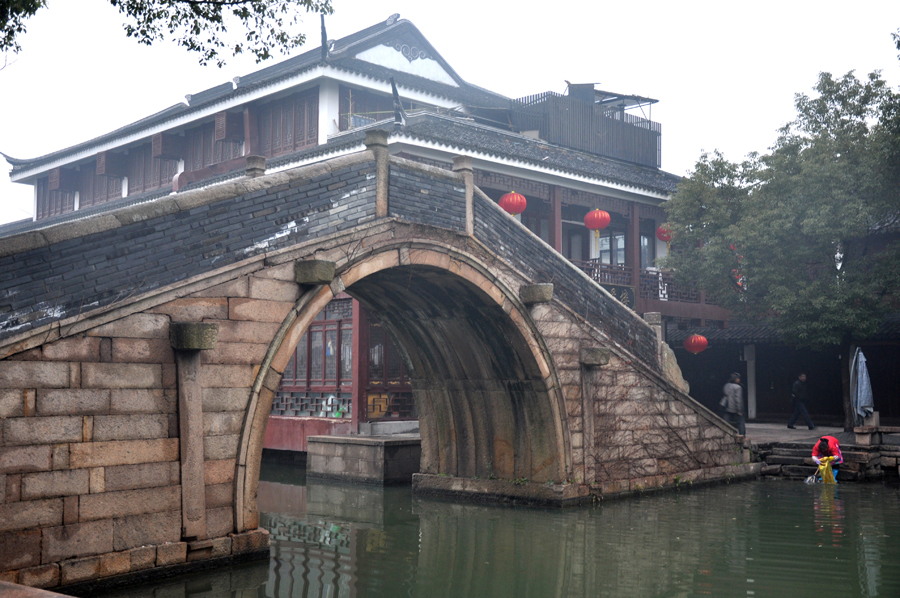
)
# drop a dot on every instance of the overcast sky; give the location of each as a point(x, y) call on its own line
point(725, 73)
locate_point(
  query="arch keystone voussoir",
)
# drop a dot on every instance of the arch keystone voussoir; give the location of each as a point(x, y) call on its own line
point(314, 272)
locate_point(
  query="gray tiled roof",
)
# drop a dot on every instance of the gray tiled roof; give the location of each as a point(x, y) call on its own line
point(467, 135)
point(465, 93)
point(21, 226)
point(462, 135)
point(457, 133)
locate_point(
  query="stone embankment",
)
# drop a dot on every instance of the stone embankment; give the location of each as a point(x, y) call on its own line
point(861, 463)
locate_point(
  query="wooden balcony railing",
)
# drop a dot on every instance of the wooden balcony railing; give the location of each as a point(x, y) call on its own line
point(606, 273)
point(654, 284)
point(655, 291)
point(662, 286)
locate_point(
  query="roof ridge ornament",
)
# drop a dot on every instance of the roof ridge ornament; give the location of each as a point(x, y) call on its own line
point(325, 47)
point(392, 19)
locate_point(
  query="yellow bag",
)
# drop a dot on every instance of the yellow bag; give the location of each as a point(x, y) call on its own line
point(825, 472)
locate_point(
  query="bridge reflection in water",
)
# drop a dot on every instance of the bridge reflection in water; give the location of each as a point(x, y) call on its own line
point(757, 538)
point(766, 538)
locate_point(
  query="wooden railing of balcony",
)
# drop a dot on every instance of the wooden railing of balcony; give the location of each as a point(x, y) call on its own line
point(662, 286)
point(606, 273)
point(656, 291)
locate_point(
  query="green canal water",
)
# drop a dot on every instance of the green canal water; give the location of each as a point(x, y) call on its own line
point(764, 538)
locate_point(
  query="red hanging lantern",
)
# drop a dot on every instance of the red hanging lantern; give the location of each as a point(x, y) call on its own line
point(597, 220)
point(695, 343)
point(514, 203)
point(663, 233)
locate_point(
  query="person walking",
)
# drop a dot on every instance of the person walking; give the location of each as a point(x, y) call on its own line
point(798, 401)
point(733, 402)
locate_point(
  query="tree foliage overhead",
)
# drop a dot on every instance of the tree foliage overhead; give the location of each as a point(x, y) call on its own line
point(806, 235)
point(12, 21)
point(211, 28)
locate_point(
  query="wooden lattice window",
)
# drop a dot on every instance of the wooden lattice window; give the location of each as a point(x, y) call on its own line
point(95, 189)
point(201, 149)
point(146, 173)
point(52, 203)
point(323, 360)
point(289, 124)
point(388, 392)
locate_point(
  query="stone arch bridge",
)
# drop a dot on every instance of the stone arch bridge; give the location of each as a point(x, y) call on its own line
point(140, 350)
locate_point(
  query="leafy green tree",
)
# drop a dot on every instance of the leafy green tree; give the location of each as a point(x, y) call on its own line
point(804, 237)
point(211, 28)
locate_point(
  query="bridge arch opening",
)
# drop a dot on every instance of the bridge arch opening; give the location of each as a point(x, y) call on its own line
point(485, 390)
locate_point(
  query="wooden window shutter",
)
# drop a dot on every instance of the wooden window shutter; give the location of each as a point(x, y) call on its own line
point(63, 179)
point(167, 146)
point(111, 165)
point(229, 126)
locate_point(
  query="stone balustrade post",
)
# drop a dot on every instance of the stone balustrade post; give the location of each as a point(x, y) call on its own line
point(377, 141)
point(463, 165)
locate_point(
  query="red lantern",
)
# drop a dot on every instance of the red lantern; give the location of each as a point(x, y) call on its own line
point(597, 220)
point(514, 203)
point(663, 233)
point(695, 343)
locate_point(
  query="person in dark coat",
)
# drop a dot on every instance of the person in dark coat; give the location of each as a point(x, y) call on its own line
point(798, 400)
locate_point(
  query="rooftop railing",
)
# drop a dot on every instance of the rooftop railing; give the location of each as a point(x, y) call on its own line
point(592, 128)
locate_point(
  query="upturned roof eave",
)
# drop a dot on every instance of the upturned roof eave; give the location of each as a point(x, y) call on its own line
point(25, 169)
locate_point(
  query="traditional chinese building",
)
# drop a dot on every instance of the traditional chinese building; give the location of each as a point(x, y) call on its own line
point(567, 154)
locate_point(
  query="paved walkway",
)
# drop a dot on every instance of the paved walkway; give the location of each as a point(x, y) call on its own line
point(768, 433)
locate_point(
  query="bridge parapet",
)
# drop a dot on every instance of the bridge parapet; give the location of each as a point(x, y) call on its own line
point(60, 273)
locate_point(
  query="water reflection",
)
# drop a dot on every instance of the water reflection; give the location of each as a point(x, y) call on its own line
point(242, 581)
point(761, 538)
point(767, 538)
point(828, 514)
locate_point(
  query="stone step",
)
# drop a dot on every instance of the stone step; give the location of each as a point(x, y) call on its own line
point(785, 460)
point(771, 470)
point(791, 452)
point(875, 429)
point(861, 457)
point(798, 471)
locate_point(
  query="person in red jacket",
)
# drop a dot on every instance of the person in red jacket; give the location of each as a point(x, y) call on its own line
point(828, 447)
